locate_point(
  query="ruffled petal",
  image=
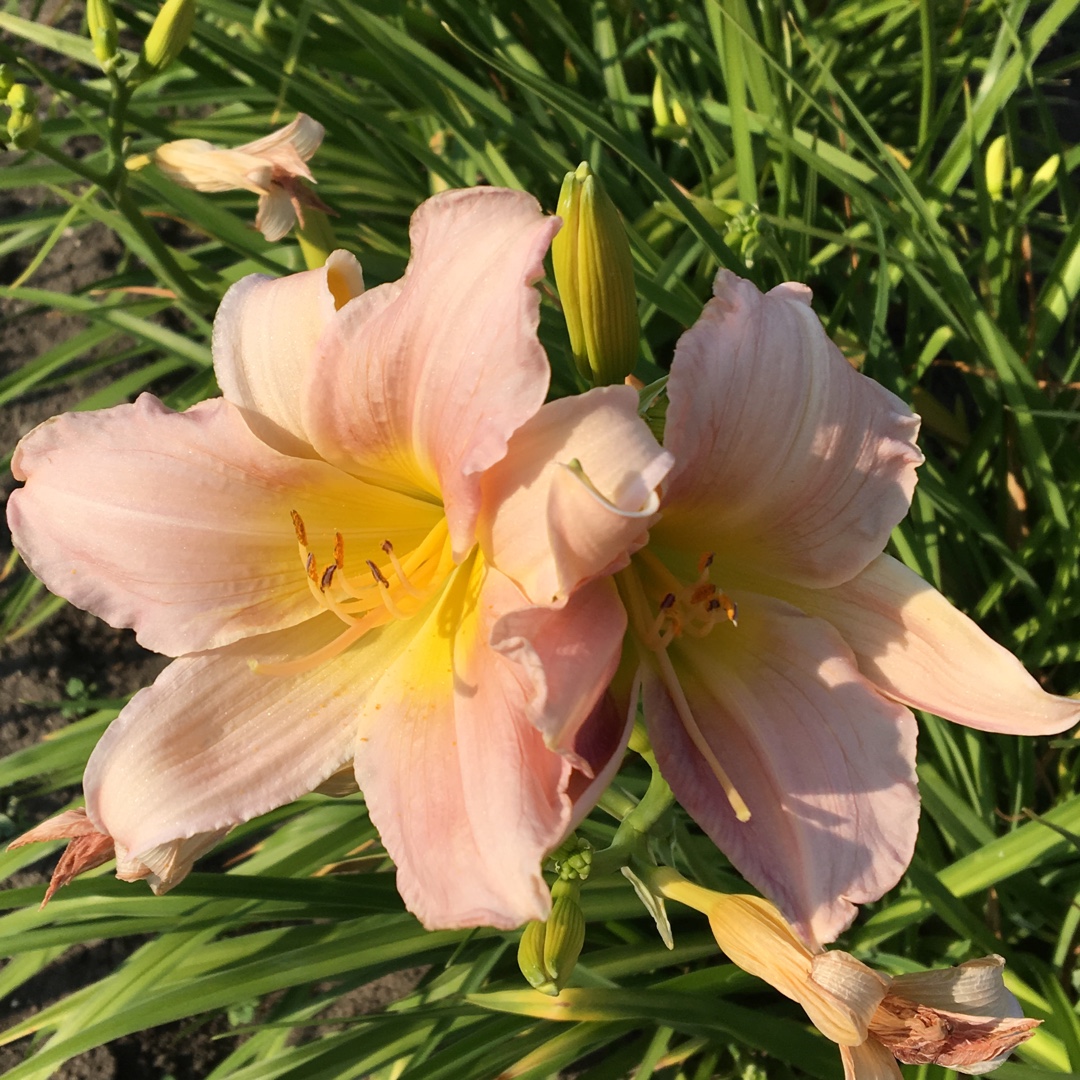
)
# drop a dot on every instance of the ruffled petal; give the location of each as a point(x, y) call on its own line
point(869, 1061)
point(466, 796)
point(195, 163)
point(276, 214)
point(179, 524)
point(574, 495)
point(422, 384)
point(789, 461)
point(213, 743)
point(975, 987)
point(917, 648)
point(265, 335)
point(824, 763)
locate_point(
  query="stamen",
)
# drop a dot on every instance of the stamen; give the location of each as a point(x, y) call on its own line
point(327, 578)
point(377, 574)
point(309, 566)
point(298, 525)
point(339, 551)
point(320, 656)
point(705, 562)
point(384, 592)
point(395, 562)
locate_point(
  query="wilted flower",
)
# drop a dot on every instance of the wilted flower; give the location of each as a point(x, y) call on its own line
point(271, 167)
point(376, 549)
point(781, 651)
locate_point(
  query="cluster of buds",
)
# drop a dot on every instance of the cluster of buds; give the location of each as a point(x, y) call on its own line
point(995, 167)
point(549, 950)
point(169, 33)
point(23, 127)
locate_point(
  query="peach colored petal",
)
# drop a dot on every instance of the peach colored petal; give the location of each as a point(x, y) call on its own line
point(212, 743)
point(824, 763)
point(195, 163)
point(599, 745)
point(788, 460)
point(869, 1061)
point(276, 214)
point(421, 385)
point(265, 335)
point(466, 796)
point(179, 524)
point(574, 495)
point(917, 648)
point(289, 147)
point(163, 867)
point(87, 849)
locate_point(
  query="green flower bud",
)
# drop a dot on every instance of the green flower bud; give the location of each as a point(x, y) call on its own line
point(101, 23)
point(23, 130)
point(20, 98)
point(995, 168)
point(661, 112)
point(1046, 172)
point(170, 33)
point(595, 275)
point(7, 79)
point(549, 951)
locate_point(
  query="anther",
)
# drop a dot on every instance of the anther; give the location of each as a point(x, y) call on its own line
point(705, 562)
point(667, 602)
point(309, 566)
point(395, 562)
point(705, 591)
point(298, 525)
point(327, 577)
point(377, 574)
point(339, 551)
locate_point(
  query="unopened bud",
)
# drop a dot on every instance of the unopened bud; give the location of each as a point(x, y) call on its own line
point(594, 271)
point(995, 168)
point(7, 79)
point(101, 24)
point(20, 98)
point(661, 112)
point(23, 130)
point(1046, 172)
point(170, 33)
point(549, 951)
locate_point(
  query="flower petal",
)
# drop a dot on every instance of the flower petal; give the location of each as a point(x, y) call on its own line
point(276, 214)
point(466, 796)
point(593, 513)
point(824, 763)
point(789, 461)
point(212, 743)
point(917, 648)
point(265, 335)
point(297, 140)
point(195, 163)
point(975, 987)
point(179, 524)
point(422, 384)
point(869, 1061)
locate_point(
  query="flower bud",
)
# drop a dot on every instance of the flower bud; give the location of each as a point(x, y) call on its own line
point(1046, 172)
point(595, 275)
point(101, 23)
point(20, 98)
point(7, 79)
point(170, 33)
point(549, 951)
point(23, 130)
point(995, 168)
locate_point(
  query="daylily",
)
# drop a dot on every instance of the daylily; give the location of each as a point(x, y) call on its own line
point(271, 167)
point(780, 650)
point(963, 1017)
point(376, 550)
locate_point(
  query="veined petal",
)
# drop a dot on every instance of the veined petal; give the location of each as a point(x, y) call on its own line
point(466, 796)
point(195, 163)
point(296, 140)
point(975, 987)
point(212, 743)
point(869, 1061)
point(917, 648)
point(265, 335)
point(276, 214)
point(179, 524)
point(574, 495)
point(789, 461)
point(163, 867)
point(421, 384)
point(824, 763)
point(599, 745)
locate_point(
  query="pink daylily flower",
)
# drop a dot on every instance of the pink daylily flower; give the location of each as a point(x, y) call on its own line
point(367, 553)
point(271, 167)
point(781, 651)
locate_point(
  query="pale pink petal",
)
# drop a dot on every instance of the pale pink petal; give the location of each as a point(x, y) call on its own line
point(163, 867)
point(574, 495)
point(265, 335)
point(179, 524)
point(789, 461)
point(297, 140)
point(195, 163)
point(276, 214)
point(432, 376)
point(599, 744)
point(824, 763)
point(917, 648)
point(213, 743)
point(975, 987)
point(569, 654)
point(466, 796)
point(869, 1061)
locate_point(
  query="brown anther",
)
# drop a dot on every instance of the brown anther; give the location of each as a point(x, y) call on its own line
point(312, 570)
point(705, 562)
point(713, 605)
point(387, 547)
point(377, 574)
point(668, 602)
point(327, 577)
point(298, 525)
point(339, 551)
point(705, 591)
